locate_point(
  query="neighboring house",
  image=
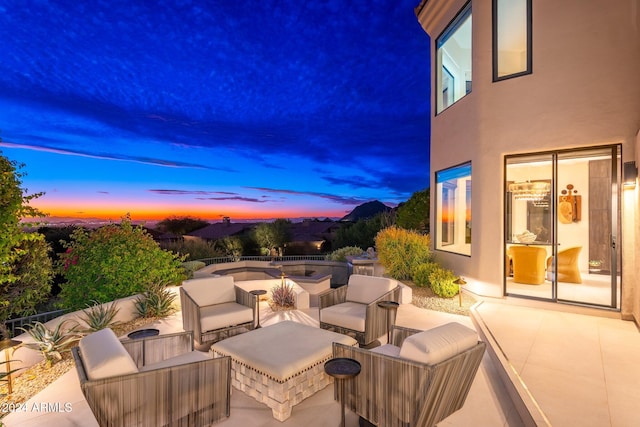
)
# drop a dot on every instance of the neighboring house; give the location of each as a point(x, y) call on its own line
point(311, 237)
point(220, 230)
point(537, 104)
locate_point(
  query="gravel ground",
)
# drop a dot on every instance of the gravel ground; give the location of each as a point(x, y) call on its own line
point(425, 298)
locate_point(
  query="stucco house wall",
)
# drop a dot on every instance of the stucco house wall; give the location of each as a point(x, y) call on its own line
point(584, 91)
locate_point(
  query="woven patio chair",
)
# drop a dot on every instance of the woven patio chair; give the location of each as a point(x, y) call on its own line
point(154, 381)
point(353, 309)
point(399, 386)
point(214, 308)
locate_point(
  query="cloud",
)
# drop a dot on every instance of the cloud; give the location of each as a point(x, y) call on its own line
point(351, 201)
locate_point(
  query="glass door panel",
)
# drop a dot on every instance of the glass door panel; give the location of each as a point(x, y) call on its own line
point(587, 264)
point(529, 225)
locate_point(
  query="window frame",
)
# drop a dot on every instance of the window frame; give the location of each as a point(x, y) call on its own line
point(452, 196)
point(494, 47)
point(465, 12)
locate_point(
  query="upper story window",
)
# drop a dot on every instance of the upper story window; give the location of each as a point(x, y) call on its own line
point(453, 60)
point(511, 38)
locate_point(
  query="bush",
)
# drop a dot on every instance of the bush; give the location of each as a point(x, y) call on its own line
point(115, 261)
point(422, 272)
point(342, 253)
point(193, 250)
point(441, 281)
point(282, 295)
point(401, 251)
point(191, 267)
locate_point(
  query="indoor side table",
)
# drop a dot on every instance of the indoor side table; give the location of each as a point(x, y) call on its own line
point(257, 293)
point(391, 307)
point(342, 369)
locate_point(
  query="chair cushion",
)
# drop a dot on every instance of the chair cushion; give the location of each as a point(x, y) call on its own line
point(182, 359)
point(387, 349)
point(366, 289)
point(210, 290)
point(103, 356)
point(349, 315)
point(224, 315)
point(438, 344)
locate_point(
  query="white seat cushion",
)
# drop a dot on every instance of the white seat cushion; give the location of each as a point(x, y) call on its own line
point(223, 315)
point(210, 290)
point(387, 349)
point(103, 356)
point(182, 359)
point(366, 289)
point(438, 344)
point(349, 315)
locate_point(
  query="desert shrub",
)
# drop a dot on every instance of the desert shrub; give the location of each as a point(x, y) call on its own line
point(52, 343)
point(282, 295)
point(441, 282)
point(157, 301)
point(192, 266)
point(99, 316)
point(400, 251)
point(115, 261)
point(193, 250)
point(422, 272)
point(342, 253)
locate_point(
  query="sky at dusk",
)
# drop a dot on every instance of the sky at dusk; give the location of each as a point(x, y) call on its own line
point(258, 109)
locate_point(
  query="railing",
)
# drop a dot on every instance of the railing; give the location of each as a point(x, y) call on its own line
point(219, 260)
point(14, 324)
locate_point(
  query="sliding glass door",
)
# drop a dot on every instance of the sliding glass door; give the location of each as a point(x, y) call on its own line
point(562, 216)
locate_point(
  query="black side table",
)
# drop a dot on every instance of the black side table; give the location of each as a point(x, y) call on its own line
point(391, 307)
point(342, 368)
point(257, 294)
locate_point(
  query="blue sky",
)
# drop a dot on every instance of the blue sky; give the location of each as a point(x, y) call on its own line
point(244, 109)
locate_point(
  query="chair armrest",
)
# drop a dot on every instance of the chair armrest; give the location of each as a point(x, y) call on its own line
point(190, 314)
point(332, 297)
point(376, 317)
point(400, 333)
point(158, 348)
point(164, 396)
point(247, 299)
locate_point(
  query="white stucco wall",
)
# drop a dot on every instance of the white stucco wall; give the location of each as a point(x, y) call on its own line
point(584, 91)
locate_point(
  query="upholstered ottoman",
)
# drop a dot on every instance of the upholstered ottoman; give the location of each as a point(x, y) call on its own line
point(280, 365)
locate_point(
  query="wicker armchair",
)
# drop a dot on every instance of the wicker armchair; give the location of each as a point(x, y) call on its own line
point(353, 309)
point(155, 381)
point(395, 391)
point(214, 308)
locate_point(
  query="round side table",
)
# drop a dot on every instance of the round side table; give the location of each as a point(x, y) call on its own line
point(391, 307)
point(342, 369)
point(257, 293)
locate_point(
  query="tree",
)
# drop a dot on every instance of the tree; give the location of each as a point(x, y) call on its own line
point(183, 225)
point(25, 268)
point(362, 233)
point(114, 261)
point(231, 246)
point(414, 213)
point(273, 235)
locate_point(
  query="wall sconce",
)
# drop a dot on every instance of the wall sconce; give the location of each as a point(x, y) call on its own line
point(630, 174)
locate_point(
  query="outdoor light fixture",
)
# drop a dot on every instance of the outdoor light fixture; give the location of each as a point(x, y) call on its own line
point(630, 174)
point(460, 281)
point(530, 190)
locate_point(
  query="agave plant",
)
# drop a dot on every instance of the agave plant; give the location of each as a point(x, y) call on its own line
point(52, 343)
point(100, 316)
point(155, 302)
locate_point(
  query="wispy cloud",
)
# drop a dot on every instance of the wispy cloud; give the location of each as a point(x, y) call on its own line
point(215, 195)
point(344, 200)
